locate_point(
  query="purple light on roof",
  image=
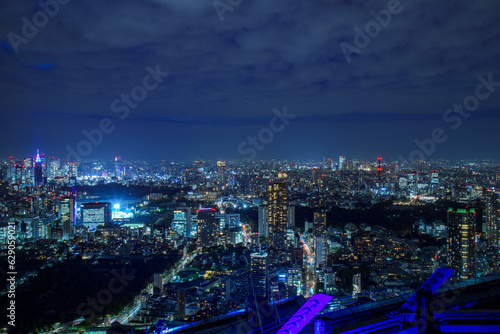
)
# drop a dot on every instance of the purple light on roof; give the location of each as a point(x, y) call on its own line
point(305, 314)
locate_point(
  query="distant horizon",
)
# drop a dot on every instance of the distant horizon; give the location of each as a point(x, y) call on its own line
point(318, 160)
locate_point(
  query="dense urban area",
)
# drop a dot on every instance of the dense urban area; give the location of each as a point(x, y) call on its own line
point(110, 246)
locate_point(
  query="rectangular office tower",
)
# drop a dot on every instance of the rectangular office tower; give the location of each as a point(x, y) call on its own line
point(258, 276)
point(491, 218)
point(461, 241)
point(319, 223)
point(278, 213)
point(208, 227)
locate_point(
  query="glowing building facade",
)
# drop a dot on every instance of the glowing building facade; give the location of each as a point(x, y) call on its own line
point(278, 213)
point(462, 241)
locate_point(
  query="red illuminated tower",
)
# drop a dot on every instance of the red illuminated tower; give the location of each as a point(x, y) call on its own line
point(379, 170)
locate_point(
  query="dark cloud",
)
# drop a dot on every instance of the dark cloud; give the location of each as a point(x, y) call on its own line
point(231, 73)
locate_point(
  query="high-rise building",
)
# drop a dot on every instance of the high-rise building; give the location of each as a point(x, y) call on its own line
point(54, 166)
point(72, 170)
point(35, 228)
point(221, 173)
point(29, 170)
point(291, 216)
point(320, 252)
point(350, 165)
point(208, 227)
point(67, 230)
point(182, 221)
point(19, 174)
point(294, 277)
point(461, 245)
point(181, 302)
point(11, 169)
point(329, 163)
point(67, 215)
point(38, 170)
point(491, 218)
point(258, 276)
point(319, 223)
point(278, 213)
point(118, 167)
point(379, 170)
point(157, 284)
point(264, 221)
point(342, 162)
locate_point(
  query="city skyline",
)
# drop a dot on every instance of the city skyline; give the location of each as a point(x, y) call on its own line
point(187, 81)
point(326, 161)
point(158, 244)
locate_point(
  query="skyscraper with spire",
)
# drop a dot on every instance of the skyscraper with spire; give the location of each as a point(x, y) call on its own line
point(38, 170)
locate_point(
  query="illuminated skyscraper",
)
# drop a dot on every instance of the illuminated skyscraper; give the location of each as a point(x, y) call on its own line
point(35, 228)
point(19, 174)
point(379, 170)
point(72, 170)
point(278, 213)
point(67, 216)
point(208, 227)
point(350, 165)
point(38, 170)
point(54, 166)
point(329, 163)
point(182, 221)
point(29, 170)
point(461, 241)
point(492, 218)
point(294, 278)
point(264, 221)
point(341, 162)
point(319, 223)
point(118, 167)
point(320, 252)
point(258, 278)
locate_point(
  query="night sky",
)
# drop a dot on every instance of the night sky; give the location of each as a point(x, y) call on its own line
point(231, 62)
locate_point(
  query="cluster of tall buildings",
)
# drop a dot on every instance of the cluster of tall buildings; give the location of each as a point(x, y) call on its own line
point(466, 226)
point(36, 171)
